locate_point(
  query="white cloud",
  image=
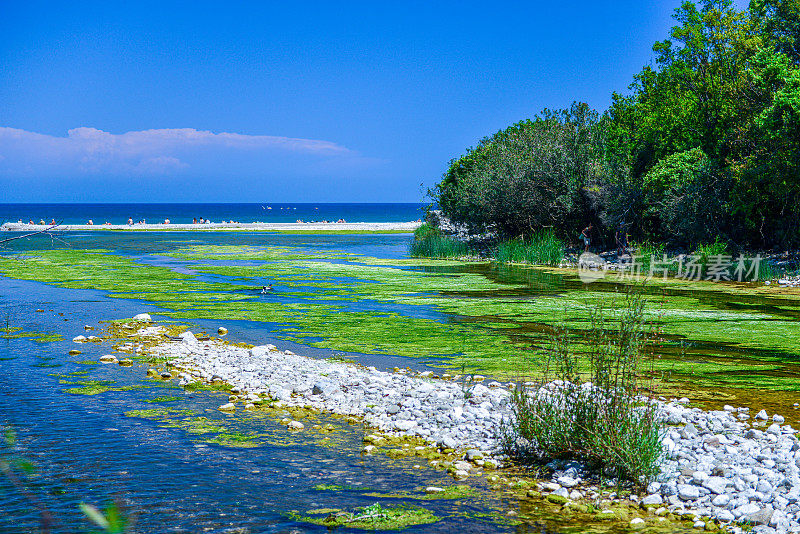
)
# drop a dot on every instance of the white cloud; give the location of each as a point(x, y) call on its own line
point(89, 151)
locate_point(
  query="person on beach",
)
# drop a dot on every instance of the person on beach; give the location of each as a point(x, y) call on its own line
point(622, 241)
point(586, 234)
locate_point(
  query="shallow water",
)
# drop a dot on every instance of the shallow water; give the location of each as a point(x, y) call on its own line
point(86, 450)
point(169, 480)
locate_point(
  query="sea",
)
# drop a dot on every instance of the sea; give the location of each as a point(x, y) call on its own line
point(184, 213)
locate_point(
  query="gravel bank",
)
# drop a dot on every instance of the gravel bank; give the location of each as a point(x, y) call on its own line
point(725, 465)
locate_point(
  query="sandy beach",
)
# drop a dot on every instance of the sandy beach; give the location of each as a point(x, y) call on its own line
point(244, 227)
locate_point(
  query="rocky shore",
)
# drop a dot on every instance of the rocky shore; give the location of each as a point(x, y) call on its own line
point(721, 468)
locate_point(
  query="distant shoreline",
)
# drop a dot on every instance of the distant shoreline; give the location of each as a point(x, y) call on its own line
point(359, 227)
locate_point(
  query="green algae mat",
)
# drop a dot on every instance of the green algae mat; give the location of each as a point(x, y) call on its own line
point(461, 316)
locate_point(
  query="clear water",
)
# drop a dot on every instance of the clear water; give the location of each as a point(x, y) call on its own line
point(86, 450)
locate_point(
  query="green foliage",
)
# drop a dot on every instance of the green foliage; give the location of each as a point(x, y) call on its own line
point(425, 231)
point(531, 175)
point(373, 517)
point(438, 246)
point(780, 21)
point(609, 424)
point(683, 196)
point(705, 252)
point(544, 248)
point(705, 146)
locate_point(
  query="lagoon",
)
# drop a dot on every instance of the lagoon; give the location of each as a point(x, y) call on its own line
point(356, 297)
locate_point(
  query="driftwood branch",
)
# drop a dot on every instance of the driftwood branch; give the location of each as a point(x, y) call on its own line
point(45, 231)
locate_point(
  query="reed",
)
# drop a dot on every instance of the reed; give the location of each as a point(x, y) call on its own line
point(544, 248)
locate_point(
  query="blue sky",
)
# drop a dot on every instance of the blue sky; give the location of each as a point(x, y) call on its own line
point(285, 101)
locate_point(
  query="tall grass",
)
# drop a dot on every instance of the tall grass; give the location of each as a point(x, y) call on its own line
point(769, 271)
point(605, 422)
point(706, 251)
point(430, 243)
point(544, 248)
point(647, 253)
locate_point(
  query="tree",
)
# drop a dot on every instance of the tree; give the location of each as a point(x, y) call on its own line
point(533, 174)
point(779, 20)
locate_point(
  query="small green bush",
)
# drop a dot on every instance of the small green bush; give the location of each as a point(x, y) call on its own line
point(425, 231)
point(606, 423)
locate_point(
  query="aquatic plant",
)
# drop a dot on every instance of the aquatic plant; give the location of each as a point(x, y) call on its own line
point(373, 517)
point(650, 255)
point(544, 248)
point(16, 332)
point(439, 246)
point(454, 492)
point(606, 423)
point(490, 318)
point(705, 251)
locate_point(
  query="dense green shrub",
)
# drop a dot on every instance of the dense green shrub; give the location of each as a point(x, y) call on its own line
point(705, 146)
point(606, 423)
point(526, 177)
point(425, 230)
point(685, 199)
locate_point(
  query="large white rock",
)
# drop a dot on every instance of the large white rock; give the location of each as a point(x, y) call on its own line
point(568, 481)
point(745, 509)
point(716, 485)
point(143, 318)
point(653, 499)
point(721, 501)
point(725, 516)
point(405, 425)
point(188, 338)
point(687, 492)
